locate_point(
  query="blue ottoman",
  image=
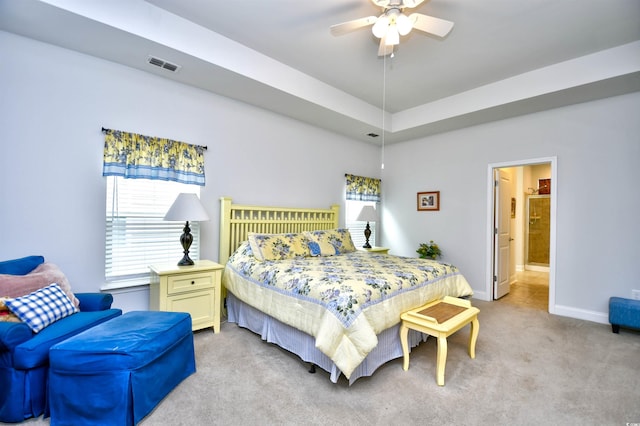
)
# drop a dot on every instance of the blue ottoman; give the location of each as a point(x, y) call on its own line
point(118, 371)
point(624, 313)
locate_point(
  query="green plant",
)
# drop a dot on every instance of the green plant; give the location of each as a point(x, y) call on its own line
point(429, 251)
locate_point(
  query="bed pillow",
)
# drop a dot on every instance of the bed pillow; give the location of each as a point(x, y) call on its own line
point(42, 308)
point(43, 275)
point(321, 247)
point(337, 239)
point(278, 246)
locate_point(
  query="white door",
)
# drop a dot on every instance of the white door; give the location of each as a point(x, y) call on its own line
point(502, 233)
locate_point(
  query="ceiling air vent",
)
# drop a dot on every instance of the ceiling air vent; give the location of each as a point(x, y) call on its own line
point(163, 64)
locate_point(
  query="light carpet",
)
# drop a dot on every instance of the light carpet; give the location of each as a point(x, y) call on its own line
point(531, 368)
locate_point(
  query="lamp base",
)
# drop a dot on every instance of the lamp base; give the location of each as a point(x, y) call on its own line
point(367, 234)
point(186, 239)
point(185, 261)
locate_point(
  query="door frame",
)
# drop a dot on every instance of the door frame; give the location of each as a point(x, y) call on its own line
point(490, 224)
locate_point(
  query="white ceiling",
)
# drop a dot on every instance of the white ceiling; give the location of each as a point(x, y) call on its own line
point(502, 58)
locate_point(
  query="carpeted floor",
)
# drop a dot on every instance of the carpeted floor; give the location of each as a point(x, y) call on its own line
point(531, 368)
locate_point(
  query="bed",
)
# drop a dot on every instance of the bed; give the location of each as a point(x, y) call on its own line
point(293, 276)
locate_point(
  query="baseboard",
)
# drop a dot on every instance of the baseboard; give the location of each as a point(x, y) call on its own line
point(480, 295)
point(583, 314)
point(536, 268)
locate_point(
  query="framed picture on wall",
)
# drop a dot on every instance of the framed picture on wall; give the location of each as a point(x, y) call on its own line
point(544, 186)
point(428, 201)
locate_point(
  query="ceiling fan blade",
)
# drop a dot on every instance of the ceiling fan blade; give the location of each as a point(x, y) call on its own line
point(431, 25)
point(384, 49)
point(347, 27)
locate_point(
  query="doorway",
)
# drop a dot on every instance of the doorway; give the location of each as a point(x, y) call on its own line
point(532, 255)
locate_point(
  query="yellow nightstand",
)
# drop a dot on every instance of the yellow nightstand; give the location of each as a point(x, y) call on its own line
point(194, 289)
point(381, 250)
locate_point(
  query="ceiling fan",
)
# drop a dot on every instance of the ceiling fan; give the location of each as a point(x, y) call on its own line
point(393, 23)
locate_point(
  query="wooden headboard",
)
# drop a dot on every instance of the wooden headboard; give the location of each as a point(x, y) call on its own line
point(236, 221)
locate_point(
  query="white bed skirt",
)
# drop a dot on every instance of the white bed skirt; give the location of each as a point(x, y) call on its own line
point(303, 345)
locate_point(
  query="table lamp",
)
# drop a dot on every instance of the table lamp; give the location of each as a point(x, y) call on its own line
point(367, 214)
point(186, 207)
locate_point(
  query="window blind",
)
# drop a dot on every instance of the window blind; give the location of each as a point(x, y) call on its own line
point(136, 234)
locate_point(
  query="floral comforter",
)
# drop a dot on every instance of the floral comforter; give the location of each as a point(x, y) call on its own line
point(345, 300)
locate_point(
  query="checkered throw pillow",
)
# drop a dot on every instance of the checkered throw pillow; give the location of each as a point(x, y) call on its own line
point(42, 307)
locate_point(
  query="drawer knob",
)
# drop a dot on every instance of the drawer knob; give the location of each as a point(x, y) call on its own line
point(193, 282)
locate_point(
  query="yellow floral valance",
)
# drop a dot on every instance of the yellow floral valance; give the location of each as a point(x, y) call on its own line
point(137, 156)
point(362, 188)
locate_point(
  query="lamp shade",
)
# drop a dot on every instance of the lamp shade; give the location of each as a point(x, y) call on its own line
point(404, 24)
point(392, 37)
point(187, 207)
point(368, 214)
point(379, 29)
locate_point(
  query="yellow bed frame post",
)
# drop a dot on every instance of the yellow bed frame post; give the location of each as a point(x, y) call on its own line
point(236, 221)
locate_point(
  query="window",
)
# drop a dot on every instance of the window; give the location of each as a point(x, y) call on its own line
point(360, 191)
point(136, 234)
point(356, 228)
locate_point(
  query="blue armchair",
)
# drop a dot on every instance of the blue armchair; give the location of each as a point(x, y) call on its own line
point(24, 355)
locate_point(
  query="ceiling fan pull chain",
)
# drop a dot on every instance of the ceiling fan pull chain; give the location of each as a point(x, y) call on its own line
point(384, 105)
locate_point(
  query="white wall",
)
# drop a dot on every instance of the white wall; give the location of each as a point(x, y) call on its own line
point(53, 103)
point(597, 145)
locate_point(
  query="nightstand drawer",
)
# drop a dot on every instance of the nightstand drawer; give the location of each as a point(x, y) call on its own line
point(191, 282)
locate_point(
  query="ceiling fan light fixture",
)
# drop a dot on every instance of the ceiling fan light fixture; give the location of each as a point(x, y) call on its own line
point(393, 23)
point(379, 29)
point(392, 37)
point(404, 24)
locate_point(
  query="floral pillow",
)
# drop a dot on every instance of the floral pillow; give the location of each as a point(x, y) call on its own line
point(332, 241)
point(321, 248)
point(278, 246)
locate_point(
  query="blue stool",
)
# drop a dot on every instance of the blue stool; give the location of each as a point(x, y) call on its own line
point(624, 313)
point(118, 371)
